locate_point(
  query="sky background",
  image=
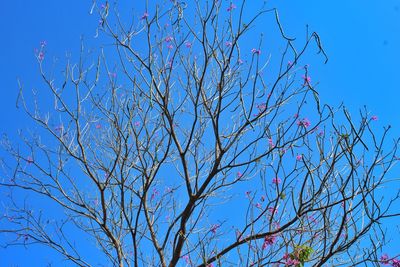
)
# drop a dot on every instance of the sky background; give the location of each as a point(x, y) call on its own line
point(361, 38)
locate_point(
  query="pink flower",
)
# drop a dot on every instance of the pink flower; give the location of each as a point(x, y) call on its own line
point(256, 51)
point(304, 122)
point(214, 228)
point(210, 265)
point(239, 174)
point(169, 39)
point(396, 263)
point(289, 63)
point(154, 194)
point(273, 210)
point(261, 107)
point(270, 142)
point(187, 259)
point(144, 16)
point(98, 126)
point(276, 180)
point(228, 44)
point(231, 7)
point(299, 157)
point(29, 160)
point(170, 46)
point(374, 118)
point(307, 80)
point(258, 205)
point(240, 61)
point(295, 115)
point(248, 194)
point(188, 44)
point(40, 56)
point(269, 240)
point(137, 123)
point(292, 262)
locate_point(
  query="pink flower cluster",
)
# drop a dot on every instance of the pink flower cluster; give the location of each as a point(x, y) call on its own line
point(188, 44)
point(256, 51)
point(271, 142)
point(269, 240)
point(214, 228)
point(385, 260)
point(290, 261)
point(144, 16)
point(307, 80)
point(304, 122)
point(231, 7)
point(228, 44)
point(276, 180)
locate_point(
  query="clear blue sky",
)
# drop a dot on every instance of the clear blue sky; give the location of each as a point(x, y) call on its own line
point(361, 38)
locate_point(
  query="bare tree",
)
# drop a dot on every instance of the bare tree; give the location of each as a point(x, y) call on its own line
point(181, 144)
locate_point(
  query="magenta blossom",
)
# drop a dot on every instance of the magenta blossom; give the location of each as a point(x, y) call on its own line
point(228, 44)
point(170, 46)
point(239, 174)
point(188, 44)
point(396, 263)
point(98, 126)
point(40, 56)
point(214, 228)
point(270, 142)
point(137, 123)
point(269, 240)
point(256, 51)
point(304, 122)
point(144, 16)
point(154, 194)
point(29, 159)
point(187, 259)
point(276, 180)
point(231, 7)
point(273, 210)
point(307, 80)
point(299, 157)
point(292, 262)
point(169, 39)
point(374, 118)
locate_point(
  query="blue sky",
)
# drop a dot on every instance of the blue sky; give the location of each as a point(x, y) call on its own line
point(361, 38)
